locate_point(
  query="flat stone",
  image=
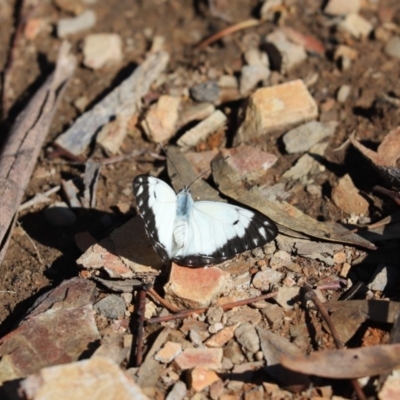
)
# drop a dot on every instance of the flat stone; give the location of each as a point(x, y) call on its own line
point(111, 306)
point(206, 358)
point(102, 50)
point(222, 337)
point(286, 297)
point(356, 25)
point(201, 378)
point(277, 107)
point(343, 93)
point(205, 92)
point(243, 314)
point(251, 76)
point(201, 161)
point(169, 351)
point(59, 214)
point(216, 121)
point(346, 196)
point(178, 391)
point(342, 7)
point(194, 287)
point(247, 336)
point(263, 279)
point(305, 136)
point(249, 161)
point(392, 47)
point(82, 380)
point(161, 120)
point(70, 26)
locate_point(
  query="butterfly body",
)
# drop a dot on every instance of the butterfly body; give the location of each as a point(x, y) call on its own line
point(197, 233)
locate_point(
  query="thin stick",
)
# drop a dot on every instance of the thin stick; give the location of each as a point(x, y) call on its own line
point(227, 306)
point(39, 198)
point(140, 313)
point(153, 294)
point(33, 243)
point(393, 195)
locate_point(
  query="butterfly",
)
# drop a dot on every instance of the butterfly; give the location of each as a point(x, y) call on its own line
point(197, 233)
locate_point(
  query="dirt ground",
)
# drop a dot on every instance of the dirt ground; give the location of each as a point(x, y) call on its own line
point(41, 255)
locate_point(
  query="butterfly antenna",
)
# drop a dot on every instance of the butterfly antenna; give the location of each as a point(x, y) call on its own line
point(204, 172)
point(177, 172)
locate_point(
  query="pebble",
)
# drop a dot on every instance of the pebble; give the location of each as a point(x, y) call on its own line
point(243, 314)
point(33, 27)
point(233, 352)
point(286, 297)
point(342, 7)
point(247, 336)
point(314, 190)
point(59, 214)
point(356, 25)
point(228, 81)
point(214, 328)
point(201, 357)
point(392, 47)
point(111, 306)
point(216, 121)
point(70, 26)
point(169, 351)
point(274, 315)
point(222, 337)
point(305, 136)
point(201, 378)
point(255, 57)
point(195, 112)
point(102, 50)
point(276, 107)
point(280, 259)
point(386, 278)
point(178, 391)
point(263, 279)
point(343, 93)
point(214, 315)
point(205, 92)
point(161, 120)
point(197, 337)
point(251, 76)
point(346, 197)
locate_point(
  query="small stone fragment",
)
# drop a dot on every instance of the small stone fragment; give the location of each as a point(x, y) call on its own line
point(243, 314)
point(247, 336)
point(216, 121)
point(339, 257)
point(233, 352)
point(169, 351)
point(161, 120)
point(392, 47)
point(386, 278)
point(33, 27)
point(111, 306)
point(102, 50)
point(205, 92)
point(178, 391)
point(356, 25)
point(214, 314)
point(256, 393)
point(196, 112)
point(286, 297)
point(228, 81)
point(277, 107)
point(346, 196)
point(343, 93)
point(263, 279)
point(70, 26)
point(71, 6)
point(222, 337)
point(201, 378)
point(59, 214)
point(342, 7)
point(274, 315)
point(206, 358)
point(251, 76)
point(280, 259)
point(305, 136)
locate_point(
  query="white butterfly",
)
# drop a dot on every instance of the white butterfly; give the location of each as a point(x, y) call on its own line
point(197, 233)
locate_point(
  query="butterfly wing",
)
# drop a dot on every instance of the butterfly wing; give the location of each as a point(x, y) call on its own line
point(219, 231)
point(156, 202)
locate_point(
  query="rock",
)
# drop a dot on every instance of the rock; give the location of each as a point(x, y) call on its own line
point(111, 306)
point(102, 50)
point(70, 26)
point(247, 336)
point(263, 279)
point(342, 7)
point(346, 197)
point(216, 121)
point(386, 278)
point(286, 296)
point(292, 53)
point(274, 315)
point(178, 391)
point(249, 161)
point(233, 352)
point(222, 337)
point(356, 25)
point(201, 378)
point(256, 393)
point(343, 93)
point(251, 76)
point(206, 358)
point(201, 161)
point(205, 92)
point(169, 351)
point(280, 259)
point(59, 214)
point(194, 287)
point(339, 257)
point(305, 136)
point(195, 112)
point(228, 81)
point(214, 314)
point(82, 380)
point(392, 47)
point(112, 134)
point(276, 107)
point(214, 328)
point(161, 120)
point(254, 57)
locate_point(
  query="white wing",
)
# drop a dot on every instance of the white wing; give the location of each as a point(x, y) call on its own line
point(156, 202)
point(219, 231)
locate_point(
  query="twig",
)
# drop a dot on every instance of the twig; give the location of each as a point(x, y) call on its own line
point(33, 243)
point(39, 198)
point(164, 303)
point(228, 306)
point(140, 313)
point(311, 295)
point(390, 193)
